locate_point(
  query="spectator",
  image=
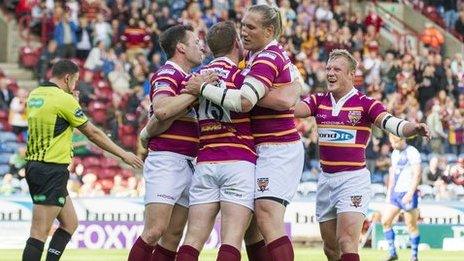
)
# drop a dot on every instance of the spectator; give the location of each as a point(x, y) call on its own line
point(102, 31)
point(432, 37)
point(459, 25)
point(17, 118)
point(433, 172)
point(118, 189)
point(382, 165)
point(84, 35)
point(373, 19)
point(119, 80)
point(450, 13)
point(436, 129)
point(47, 58)
point(457, 172)
point(65, 37)
point(86, 89)
point(6, 95)
point(8, 185)
point(95, 60)
point(135, 38)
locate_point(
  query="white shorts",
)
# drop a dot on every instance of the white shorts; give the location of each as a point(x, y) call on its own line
point(167, 178)
point(278, 171)
point(346, 191)
point(230, 182)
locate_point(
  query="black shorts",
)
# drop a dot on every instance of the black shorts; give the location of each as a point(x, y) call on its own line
point(47, 182)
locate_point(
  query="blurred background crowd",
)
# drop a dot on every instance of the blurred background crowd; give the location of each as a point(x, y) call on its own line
point(115, 43)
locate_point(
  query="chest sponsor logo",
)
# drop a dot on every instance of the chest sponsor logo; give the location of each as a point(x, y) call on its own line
point(354, 117)
point(337, 135)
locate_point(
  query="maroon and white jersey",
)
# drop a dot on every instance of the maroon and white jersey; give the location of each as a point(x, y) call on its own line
point(224, 135)
point(182, 136)
point(271, 66)
point(344, 128)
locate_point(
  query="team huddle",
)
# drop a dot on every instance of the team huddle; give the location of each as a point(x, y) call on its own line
point(224, 140)
point(249, 156)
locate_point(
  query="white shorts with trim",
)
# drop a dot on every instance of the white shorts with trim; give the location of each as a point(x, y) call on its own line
point(167, 178)
point(217, 182)
point(278, 170)
point(345, 191)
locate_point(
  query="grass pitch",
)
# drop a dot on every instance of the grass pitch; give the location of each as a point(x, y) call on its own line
point(301, 254)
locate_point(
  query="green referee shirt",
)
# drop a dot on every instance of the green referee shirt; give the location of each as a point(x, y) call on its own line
point(51, 115)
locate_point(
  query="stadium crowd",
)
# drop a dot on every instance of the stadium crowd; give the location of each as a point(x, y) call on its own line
point(115, 43)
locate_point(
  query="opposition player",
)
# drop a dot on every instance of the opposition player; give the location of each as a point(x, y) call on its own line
point(280, 151)
point(224, 174)
point(168, 168)
point(52, 114)
point(405, 174)
point(344, 117)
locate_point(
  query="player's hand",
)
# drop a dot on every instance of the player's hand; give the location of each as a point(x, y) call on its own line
point(407, 198)
point(423, 130)
point(195, 82)
point(131, 159)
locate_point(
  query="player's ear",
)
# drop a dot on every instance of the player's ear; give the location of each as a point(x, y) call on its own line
point(181, 47)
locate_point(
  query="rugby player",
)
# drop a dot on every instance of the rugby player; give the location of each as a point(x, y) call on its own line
point(168, 168)
point(402, 194)
point(280, 151)
point(344, 117)
point(52, 114)
point(224, 174)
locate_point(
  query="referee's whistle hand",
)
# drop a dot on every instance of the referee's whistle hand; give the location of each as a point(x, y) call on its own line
point(131, 159)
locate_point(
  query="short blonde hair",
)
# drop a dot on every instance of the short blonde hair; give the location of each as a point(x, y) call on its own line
point(345, 54)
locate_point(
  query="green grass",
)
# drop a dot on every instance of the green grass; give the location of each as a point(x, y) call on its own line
point(303, 254)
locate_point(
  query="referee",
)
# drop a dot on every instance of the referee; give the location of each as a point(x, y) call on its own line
point(52, 113)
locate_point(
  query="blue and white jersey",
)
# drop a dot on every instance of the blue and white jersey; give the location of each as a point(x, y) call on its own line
point(402, 162)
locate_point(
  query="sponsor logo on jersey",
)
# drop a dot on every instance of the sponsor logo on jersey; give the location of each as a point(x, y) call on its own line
point(267, 55)
point(167, 71)
point(354, 117)
point(337, 135)
point(222, 73)
point(356, 201)
point(35, 103)
point(263, 184)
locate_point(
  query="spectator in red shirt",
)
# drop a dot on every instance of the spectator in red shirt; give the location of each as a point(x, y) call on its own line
point(135, 38)
point(373, 19)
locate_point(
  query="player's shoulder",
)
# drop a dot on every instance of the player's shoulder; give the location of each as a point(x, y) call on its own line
point(412, 151)
point(274, 54)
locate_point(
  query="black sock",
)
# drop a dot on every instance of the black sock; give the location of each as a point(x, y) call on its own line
point(33, 250)
point(59, 241)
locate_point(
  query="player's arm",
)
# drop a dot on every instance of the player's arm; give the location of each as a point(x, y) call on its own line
point(400, 127)
point(282, 98)
point(165, 107)
point(155, 127)
point(238, 100)
point(98, 137)
point(70, 110)
point(285, 97)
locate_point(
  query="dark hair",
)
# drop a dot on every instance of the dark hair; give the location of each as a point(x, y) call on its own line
point(270, 17)
point(172, 36)
point(63, 67)
point(221, 38)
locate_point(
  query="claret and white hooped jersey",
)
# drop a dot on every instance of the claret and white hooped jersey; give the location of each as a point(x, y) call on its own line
point(224, 135)
point(344, 128)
